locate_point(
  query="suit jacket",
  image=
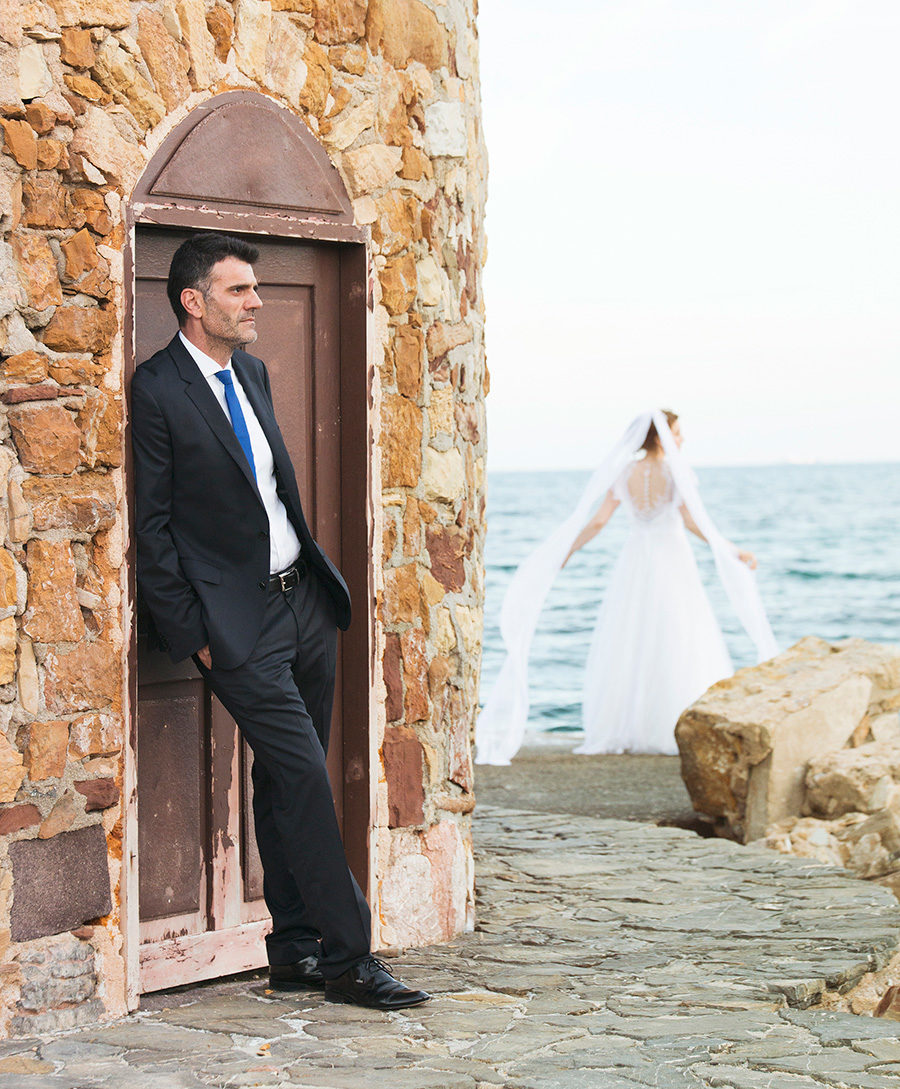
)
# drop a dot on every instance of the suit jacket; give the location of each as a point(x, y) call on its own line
point(202, 530)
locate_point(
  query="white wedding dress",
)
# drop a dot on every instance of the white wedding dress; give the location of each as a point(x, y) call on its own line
point(657, 646)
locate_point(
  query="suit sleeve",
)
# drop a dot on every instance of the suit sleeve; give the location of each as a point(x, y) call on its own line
point(172, 601)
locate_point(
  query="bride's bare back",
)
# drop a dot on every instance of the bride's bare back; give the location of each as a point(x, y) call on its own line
point(650, 486)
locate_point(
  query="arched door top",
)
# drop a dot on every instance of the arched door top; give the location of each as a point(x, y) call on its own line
point(246, 163)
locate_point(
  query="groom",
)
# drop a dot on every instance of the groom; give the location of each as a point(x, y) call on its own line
point(231, 575)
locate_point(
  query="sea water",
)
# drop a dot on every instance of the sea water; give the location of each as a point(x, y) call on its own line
point(826, 537)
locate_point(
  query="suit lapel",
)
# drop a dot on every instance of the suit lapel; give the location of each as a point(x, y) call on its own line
point(197, 389)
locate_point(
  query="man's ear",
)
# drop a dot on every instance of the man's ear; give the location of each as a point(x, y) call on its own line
point(191, 301)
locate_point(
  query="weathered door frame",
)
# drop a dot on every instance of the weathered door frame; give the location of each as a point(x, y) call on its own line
point(322, 224)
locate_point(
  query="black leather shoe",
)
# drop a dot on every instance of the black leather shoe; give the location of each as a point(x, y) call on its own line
point(371, 983)
point(299, 976)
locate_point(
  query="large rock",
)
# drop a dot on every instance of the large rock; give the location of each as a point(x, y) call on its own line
point(746, 744)
point(859, 780)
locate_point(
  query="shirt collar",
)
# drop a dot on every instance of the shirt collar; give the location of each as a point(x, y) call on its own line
point(208, 366)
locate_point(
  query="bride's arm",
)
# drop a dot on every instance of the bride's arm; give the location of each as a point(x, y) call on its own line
point(590, 531)
point(745, 557)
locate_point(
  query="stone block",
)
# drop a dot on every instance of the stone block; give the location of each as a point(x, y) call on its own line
point(117, 73)
point(60, 883)
point(445, 130)
point(7, 650)
point(20, 141)
point(351, 126)
point(61, 817)
point(443, 475)
point(252, 26)
point(45, 202)
point(745, 745)
point(442, 338)
point(370, 167)
point(89, 207)
point(52, 154)
point(40, 117)
point(99, 793)
point(340, 21)
point(404, 767)
point(408, 362)
point(13, 818)
point(349, 58)
point(399, 283)
point(415, 165)
point(392, 663)
point(402, 595)
point(95, 735)
point(37, 270)
point(84, 503)
point(21, 394)
point(401, 441)
point(85, 679)
point(200, 44)
point(53, 613)
point(317, 86)
point(101, 143)
point(398, 222)
point(80, 329)
point(8, 580)
point(100, 422)
point(76, 47)
point(415, 675)
point(12, 770)
point(28, 366)
point(220, 23)
point(115, 14)
point(45, 754)
point(80, 254)
point(286, 71)
point(406, 30)
point(35, 79)
point(27, 678)
point(861, 780)
point(446, 546)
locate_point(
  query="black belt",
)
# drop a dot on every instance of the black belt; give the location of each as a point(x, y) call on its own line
point(288, 578)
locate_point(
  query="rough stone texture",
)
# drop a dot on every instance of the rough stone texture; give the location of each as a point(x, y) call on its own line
point(746, 744)
point(403, 758)
point(861, 780)
point(45, 755)
point(82, 679)
point(80, 329)
point(53, 613)
point(84, 503)
point(98, 793)
point(60, 883)
point(12, 771)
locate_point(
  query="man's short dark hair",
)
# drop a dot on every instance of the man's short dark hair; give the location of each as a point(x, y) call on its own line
point(193, 262)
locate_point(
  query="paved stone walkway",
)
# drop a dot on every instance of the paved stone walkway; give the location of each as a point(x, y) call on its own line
point(608, 955)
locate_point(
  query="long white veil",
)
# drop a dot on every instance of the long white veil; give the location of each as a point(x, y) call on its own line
point(501, 724)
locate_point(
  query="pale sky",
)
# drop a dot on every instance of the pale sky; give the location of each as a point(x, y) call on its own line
point(695, 205)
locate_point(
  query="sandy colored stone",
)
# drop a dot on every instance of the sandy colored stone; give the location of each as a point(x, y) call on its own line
point(446, 130)
point(7, 649)
point(401, 441)
point(431, 281)
point(340, 21)
point(90, 208)
point(19, 514)
point(116, 71)
point(76, 371)
point(80, 329)
point(20, 141)
point(861, 780)
point(76, 47)
point(220, 22)
point(80, 254)
point(86, 678)
point(35, 79)
point(443, 475)
point(415, 165)
point(398, 283)
point(415, 675)
point(95, 735)
point(252, 26)
point(61, 817)
point(12, 770)
point(440, 411)
point(402, 597)
point(441, 338)
point(25, 367)
point(405, 30)
point(45, 392)
point(398, 222)
point(443, 633)
point(412, 528)
point(286, 71)
point(45, 754)
point(370, 167)
point(47, 438)
point(350, 127)
point(200, 44)
point(115, 14)
point(37, 270)
point(27, 677)
point(83, 503)
point(53, 613)
point(100, 142)
point(349, 58)
point(100, 422)
point(52, 154)
point(468, 421)
point(317, 86)
point(393, 120)
point(8, 590)
point(746, 743)
point(470, 621)
point(86, 88)
point(408, 348)
point(44, 202)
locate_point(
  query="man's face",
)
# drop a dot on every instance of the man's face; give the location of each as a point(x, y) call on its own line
point(227, 309)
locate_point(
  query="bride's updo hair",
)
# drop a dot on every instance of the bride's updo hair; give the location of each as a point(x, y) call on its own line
point(651, 442)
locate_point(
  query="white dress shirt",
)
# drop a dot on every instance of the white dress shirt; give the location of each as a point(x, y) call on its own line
point(284, 544)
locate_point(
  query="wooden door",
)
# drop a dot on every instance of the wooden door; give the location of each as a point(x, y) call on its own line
point(200, 880)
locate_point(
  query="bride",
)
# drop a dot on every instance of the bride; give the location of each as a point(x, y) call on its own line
point(657, 646)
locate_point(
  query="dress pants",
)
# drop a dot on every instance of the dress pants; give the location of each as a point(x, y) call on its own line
point(281, 700)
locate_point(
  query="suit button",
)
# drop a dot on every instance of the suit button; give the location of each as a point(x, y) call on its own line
point(262, 584)
point(262, 535)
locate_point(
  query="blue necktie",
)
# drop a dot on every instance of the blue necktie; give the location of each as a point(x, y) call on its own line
point(237, 417)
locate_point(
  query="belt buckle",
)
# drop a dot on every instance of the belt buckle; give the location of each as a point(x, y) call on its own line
point(284, 579)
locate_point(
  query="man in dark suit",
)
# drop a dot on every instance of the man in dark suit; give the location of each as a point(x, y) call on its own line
point(230, 573)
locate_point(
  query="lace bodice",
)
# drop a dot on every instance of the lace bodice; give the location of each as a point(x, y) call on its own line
point(647, 490)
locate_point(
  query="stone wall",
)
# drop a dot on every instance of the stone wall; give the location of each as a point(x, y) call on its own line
point(88, 90)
